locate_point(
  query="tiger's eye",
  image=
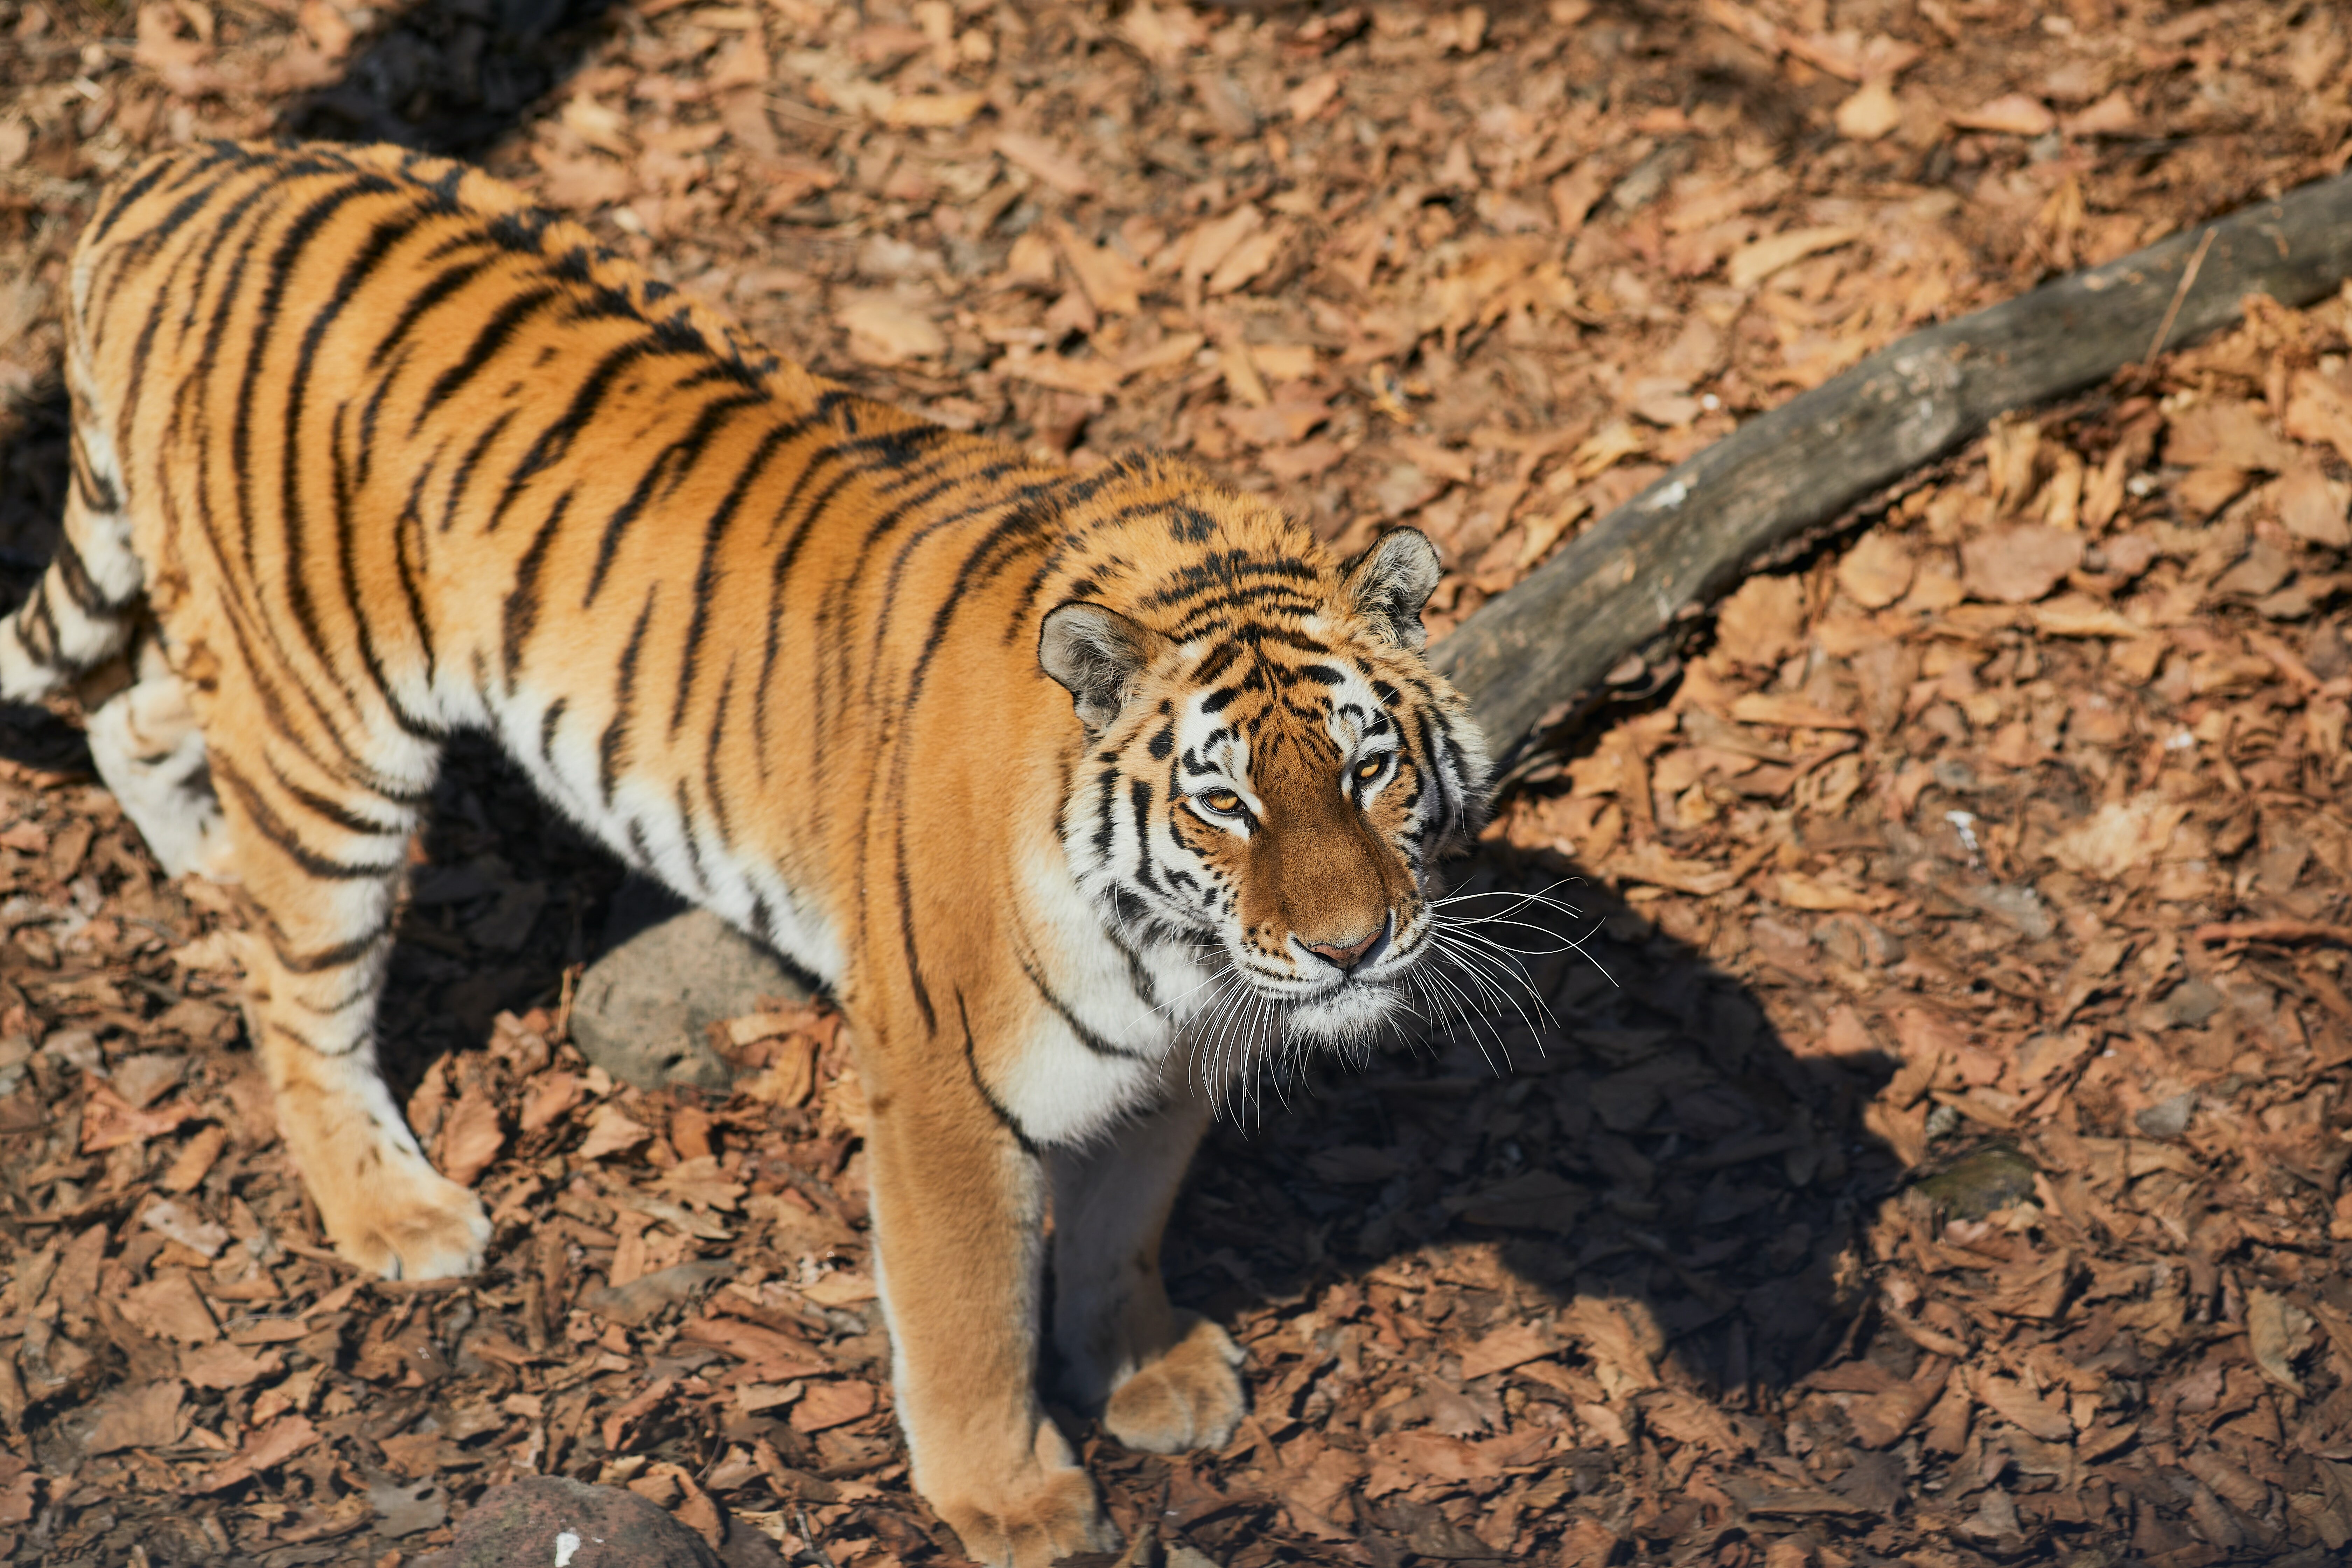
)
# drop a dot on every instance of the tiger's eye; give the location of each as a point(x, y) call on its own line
point(1370, 769)
point(1222, 800)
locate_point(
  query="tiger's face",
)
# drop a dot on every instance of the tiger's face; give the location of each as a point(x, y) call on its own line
point(1279, 791)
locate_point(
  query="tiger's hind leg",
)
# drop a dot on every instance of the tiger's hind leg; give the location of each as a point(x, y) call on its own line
point(150, 748)
point(319, 840)
point(81, 611)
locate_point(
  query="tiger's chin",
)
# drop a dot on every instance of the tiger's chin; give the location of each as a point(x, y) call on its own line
point(1348, 1017)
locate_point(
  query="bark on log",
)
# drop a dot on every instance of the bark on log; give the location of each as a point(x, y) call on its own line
point(1688, 537)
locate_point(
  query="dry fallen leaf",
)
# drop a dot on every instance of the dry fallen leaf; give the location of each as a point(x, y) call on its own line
point(2232, 430)
point(2012, 114)
point(1877, 570)
point(609, 1132)
point(887, 330)
point(832, 1402)
point(470, 1138)
point(2019, 566)
point(842, 1288)
point(934, 110)
point(168, 1307)
point(2278, 1331)
point(2120, 836)
point(2319, 410)
point(144, 1415)
point(2314, 507)
point(1753, 263)
point(1763, 620)
point(1621, 1338)
point(1870, 113)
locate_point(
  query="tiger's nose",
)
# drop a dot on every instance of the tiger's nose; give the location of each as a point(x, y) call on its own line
point(1346, 954)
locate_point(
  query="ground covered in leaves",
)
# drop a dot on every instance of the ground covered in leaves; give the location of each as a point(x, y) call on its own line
point(1937, 1158)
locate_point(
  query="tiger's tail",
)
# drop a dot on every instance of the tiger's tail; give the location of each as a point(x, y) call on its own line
point(84, 608)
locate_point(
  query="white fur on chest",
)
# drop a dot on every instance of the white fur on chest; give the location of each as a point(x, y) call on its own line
point(1101, 1050)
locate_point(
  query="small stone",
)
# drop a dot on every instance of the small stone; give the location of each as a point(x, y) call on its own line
point(551, 1519)
point(1988, 1179)
point(2166, 1117)
point(407, 1508)
point(2192, 1003)
point(642, 1009)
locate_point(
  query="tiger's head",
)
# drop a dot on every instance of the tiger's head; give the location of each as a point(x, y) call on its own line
point(1273, 773)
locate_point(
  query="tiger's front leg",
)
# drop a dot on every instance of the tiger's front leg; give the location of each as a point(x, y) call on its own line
point(959, 1212)
point(1162, 1379)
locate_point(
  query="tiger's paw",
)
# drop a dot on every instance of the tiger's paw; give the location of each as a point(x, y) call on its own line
point(1045, 1512)
point(405, 1220)
point(1191, 1397)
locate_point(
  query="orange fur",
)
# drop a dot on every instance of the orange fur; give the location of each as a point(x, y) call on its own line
point(367, 451)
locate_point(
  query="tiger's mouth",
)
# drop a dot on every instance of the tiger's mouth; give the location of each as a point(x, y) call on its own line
point(1351, 1011)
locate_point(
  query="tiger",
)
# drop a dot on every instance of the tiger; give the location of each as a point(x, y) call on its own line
point(1088, 794)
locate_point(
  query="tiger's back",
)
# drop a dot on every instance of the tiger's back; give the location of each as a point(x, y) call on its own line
point(1081, 791)
point(421, 455)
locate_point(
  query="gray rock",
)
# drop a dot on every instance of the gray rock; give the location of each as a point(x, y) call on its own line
point(1982, 1181)
point(546, 1519)
point(2168, 1118)
point(2193, 1002)
point(642, 1009)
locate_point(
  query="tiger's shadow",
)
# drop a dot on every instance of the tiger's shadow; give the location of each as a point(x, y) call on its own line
point(451, 76)
point(1671, 1189)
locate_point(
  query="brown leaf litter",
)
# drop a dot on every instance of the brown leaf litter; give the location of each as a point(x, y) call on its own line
point(1948, 1167)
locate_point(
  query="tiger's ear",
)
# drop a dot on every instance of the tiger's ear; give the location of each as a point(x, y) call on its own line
point(1096, 653)
point(1390, 582)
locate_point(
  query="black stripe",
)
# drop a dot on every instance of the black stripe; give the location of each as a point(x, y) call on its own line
point(674, 461)
point(265, 820)
point(298, 236)
point(127, 196)
point(547, 724)
point(73, 575)
point(1087, 1038)
point(335, 957)
point(445, 283)
point(685, 831)
point(712, 784)
point(610, 745)
point(347, 566)
point(34, 617)
point(96, 491)
point(408, 548)
point(333, 811)
point(706, 576)
point(556, 439)
point(463, 475)
point(492, 337)
point(907, 930)
point(520, 616)
point(202, 254)
point(988, 1096)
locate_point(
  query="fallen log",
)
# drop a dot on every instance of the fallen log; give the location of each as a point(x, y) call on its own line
point(1616, 588)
